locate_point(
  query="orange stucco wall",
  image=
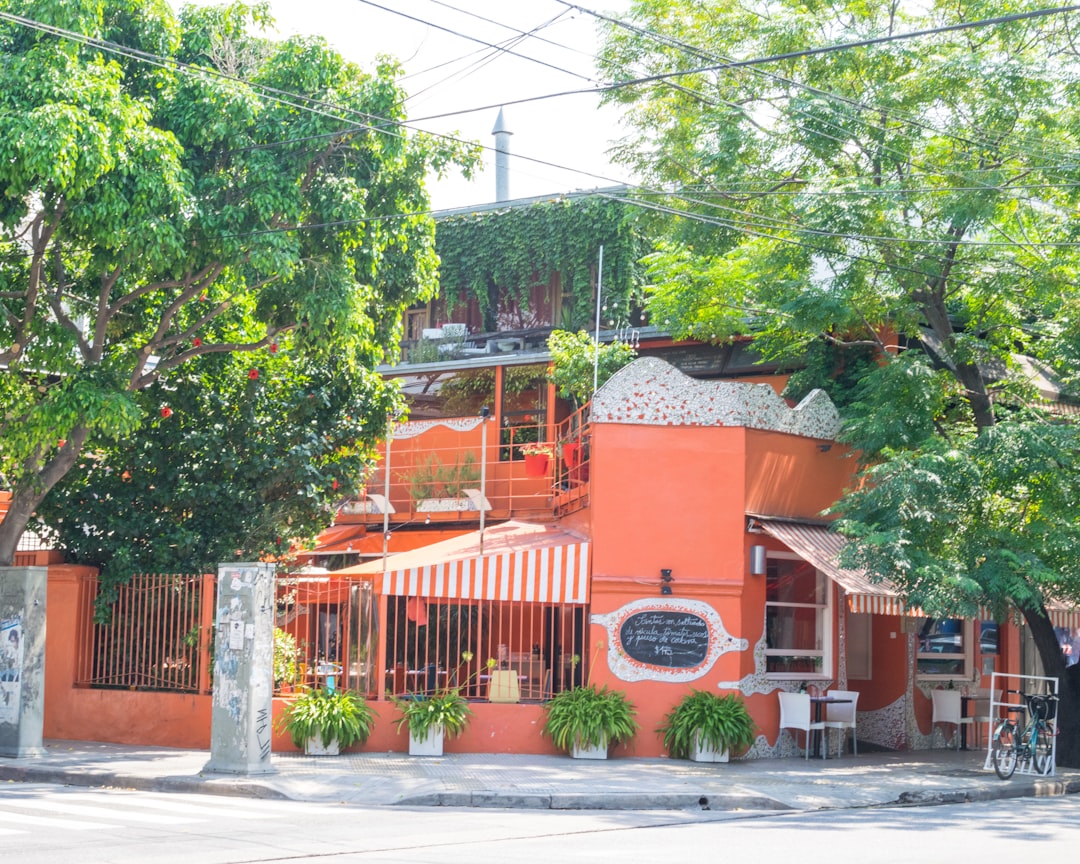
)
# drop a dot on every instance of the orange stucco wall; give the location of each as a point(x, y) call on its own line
point(676, 497)
point(118, 716)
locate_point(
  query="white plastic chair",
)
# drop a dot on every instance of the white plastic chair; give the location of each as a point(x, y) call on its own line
point(947, 710)
point(795, 714)
point(841, 717)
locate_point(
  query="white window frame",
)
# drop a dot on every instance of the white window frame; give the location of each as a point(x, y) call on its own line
point(967, 656)
point(825, 628)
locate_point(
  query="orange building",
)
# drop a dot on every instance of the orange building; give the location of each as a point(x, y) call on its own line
point(673, 539)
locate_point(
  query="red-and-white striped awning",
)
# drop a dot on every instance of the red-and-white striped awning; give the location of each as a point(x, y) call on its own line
point(519, 562)
point(1063, 615)
point(821, 547)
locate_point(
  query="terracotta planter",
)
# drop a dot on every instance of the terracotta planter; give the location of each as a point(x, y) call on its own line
point(536, 465)
point(571, 454)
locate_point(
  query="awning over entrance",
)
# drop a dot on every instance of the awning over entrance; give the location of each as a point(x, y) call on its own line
point(821, 547)
point(520, 562)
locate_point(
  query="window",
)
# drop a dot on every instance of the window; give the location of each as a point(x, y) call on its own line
point(944, 648)
point(797, 620)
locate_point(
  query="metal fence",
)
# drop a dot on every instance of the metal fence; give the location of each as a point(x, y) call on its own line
point(156, 635)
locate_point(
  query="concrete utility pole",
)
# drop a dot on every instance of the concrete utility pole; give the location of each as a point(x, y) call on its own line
point(22, 660)
point(502, 158)
point(241, 719)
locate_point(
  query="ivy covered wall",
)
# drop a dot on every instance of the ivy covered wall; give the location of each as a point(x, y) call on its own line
point(506, 253)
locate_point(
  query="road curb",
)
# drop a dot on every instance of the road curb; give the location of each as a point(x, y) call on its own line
point(199, 785)
point(594, 801)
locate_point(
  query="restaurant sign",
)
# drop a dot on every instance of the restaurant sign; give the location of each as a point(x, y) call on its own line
point(665, 639)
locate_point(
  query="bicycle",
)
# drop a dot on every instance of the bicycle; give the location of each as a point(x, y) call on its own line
point(1031, 742)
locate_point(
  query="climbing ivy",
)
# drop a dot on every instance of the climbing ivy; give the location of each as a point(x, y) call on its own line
point(508, 251)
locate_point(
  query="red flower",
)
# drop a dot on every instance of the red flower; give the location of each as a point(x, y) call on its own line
point(253, 374)
point(166, 412)
point(273, 347)
point(334, 485)
point(196, 341)
point(61, 443)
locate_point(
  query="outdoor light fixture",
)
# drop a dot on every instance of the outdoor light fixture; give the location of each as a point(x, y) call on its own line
point(757, 560)
point(665, 581)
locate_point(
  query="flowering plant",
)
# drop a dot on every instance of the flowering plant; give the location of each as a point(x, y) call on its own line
point(536, 449)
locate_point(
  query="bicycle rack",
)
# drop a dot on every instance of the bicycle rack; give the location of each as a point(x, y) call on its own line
point(999, 683)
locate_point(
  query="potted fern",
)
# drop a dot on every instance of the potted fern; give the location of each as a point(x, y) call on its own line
point(430, 718)
point(586, 721)
point(707, 727)
point(324, 721)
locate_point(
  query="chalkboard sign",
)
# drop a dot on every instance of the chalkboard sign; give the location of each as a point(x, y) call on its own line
point(673, 639)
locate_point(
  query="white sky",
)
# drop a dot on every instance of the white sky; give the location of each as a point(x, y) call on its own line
point(568, 131)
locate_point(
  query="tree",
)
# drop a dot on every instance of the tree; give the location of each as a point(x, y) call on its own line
point(181, 189)
point(239, 462)
point(895, 219)
point(577, 360)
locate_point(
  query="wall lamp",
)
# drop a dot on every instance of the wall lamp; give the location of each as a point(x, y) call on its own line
point(757, 560)
point(665, 581)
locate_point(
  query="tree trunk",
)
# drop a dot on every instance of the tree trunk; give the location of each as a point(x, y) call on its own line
point(27, 494)
point(1068, 719)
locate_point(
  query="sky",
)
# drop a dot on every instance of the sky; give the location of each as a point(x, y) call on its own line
point(449, 73)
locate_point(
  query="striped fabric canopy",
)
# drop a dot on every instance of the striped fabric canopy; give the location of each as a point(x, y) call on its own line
point(821, 547)
point(518, 562)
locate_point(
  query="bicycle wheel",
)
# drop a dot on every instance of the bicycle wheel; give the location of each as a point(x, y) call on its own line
point(1004, 752)
point(1044, 752)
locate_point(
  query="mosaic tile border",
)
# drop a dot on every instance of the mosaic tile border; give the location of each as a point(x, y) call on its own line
point(652, 392)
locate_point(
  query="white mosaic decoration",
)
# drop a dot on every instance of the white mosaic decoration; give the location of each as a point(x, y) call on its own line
point(412, 428)
point(652, 392)
point(626, 668)
point(884, 727)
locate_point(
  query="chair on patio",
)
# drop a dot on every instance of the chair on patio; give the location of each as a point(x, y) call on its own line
point(986, 711)
point(841, 717)
point(795, 714)
point(947, 711)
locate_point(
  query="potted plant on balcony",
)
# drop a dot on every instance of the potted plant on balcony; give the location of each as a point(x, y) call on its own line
point(537, 457)
point(707, 727)
point(586, 721)
point(324, 721)
point(430, 718)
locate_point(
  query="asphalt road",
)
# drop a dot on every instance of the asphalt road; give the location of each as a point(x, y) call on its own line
point(45, 824)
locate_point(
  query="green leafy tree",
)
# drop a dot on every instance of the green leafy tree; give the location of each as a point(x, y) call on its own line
point(898, 220)
point(577, 360)
point(177, 189)
point(240, 462)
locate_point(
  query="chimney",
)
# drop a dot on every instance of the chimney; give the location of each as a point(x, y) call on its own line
point(502, 158)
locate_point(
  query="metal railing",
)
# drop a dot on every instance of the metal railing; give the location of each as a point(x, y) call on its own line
point(156, 635)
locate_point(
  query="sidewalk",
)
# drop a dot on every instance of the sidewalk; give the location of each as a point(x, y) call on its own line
point(555, 782)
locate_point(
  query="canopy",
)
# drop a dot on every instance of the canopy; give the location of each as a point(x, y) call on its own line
point(821, 547)
point(519, 561)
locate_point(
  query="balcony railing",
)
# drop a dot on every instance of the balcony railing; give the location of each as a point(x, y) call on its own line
point(450, 470)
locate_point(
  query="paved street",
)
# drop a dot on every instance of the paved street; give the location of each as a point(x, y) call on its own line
point(47, 824)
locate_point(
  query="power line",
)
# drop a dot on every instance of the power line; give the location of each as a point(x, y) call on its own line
point(461, 35)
